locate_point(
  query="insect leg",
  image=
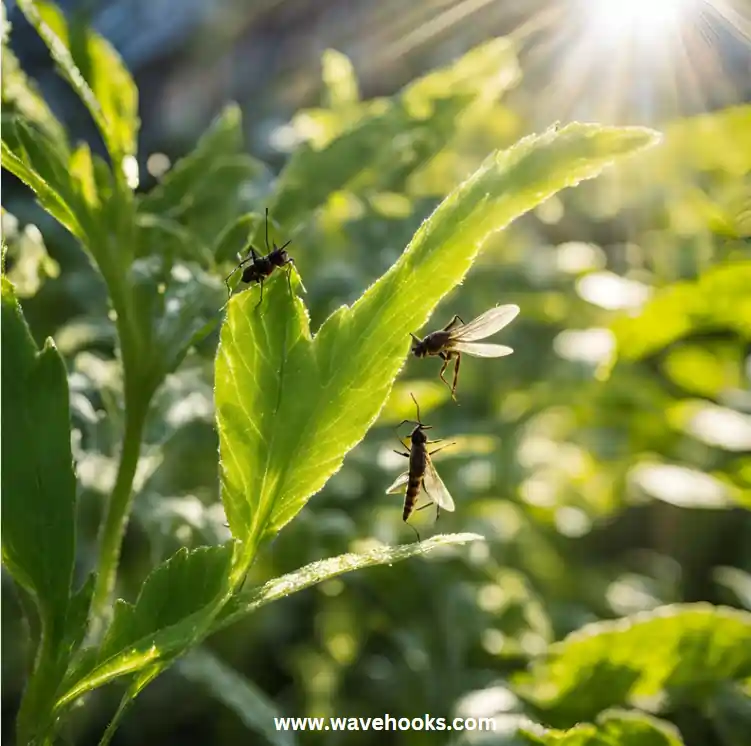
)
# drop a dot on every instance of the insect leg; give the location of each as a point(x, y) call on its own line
point(401, 453)
point(236, 269)
point(401, 443)
point(437, 507)
point(403, 422)
point(248, 259)
point(456, 374)
point(452, 323)
point(441, 448)
point(260, 300)
point(289, 275)
point(415, 530)
point(445, 359)
point(226, 282)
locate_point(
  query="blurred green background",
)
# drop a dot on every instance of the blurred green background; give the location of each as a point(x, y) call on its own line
point(608, 461)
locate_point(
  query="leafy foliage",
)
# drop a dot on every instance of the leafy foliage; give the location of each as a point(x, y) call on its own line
point(270, 469)
point(39, 494)
point(716, 301)
point(624, 399)
point(250, 704)
point(613, 727)
point(94, 69)
point(318, 572)
point(686, 651)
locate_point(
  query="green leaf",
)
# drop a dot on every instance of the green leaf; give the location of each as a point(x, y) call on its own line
point(172, 610)
point(311, 175)
point(162, 237)
point(394, 137)
point(316, 572)
point(45, 157)
point(182, 585)
point(39, 495)
point(290, 406)
point(38, 483)
point(21, 97)
point(719, 299)
point(687, 650)
point(238, 693)
point(140, 681)
point(176, 192)
point(71, 176)
point(718, 141)
point(81, 168)
point(95, 71)
point(339, 79)
point(78, 612)
point(236, 237)
point(225, 191)
point(172, 302)
point(48, 198)
point(613, 728)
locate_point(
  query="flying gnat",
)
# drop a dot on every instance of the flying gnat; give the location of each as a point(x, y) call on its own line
point(421, 473)
point(256, 268)
point(457, 338)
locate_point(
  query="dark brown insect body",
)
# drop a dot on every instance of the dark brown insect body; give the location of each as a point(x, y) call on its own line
point(260, 267)
point(418, 458)
point(457, 337)
point(437, 344)
point(421, 473)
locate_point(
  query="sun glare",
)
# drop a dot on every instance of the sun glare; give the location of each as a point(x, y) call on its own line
point(638, 61)
point(636, 17)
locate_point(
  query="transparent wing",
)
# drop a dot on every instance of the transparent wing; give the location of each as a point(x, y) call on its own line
point(481, 350)
point(400, 481)
point(436, 489)
point(488, 323)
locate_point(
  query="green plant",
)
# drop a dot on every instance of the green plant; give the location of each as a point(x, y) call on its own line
point(290, 405)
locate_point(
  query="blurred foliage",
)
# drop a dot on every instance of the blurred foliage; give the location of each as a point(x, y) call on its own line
point(608, 461)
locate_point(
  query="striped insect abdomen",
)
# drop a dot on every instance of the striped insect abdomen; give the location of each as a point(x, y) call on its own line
point(417, 465)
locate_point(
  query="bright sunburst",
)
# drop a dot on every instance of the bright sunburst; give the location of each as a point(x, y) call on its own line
point(639, 61)
point(643, 20)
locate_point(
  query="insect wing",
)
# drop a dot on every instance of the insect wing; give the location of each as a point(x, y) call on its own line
point(400, 481)
point(488, 323)
point(481, 350)
point(436, 489)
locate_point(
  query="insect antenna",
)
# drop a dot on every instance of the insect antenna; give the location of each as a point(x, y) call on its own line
point(419, 418)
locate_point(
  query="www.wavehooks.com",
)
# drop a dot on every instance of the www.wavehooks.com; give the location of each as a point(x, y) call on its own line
point(387, 722)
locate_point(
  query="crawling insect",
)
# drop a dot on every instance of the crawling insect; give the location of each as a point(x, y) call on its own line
point(256, 268)
point(421, 472)
point(457, 337)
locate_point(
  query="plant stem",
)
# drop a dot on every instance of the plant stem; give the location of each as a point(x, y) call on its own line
point(118, 510)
